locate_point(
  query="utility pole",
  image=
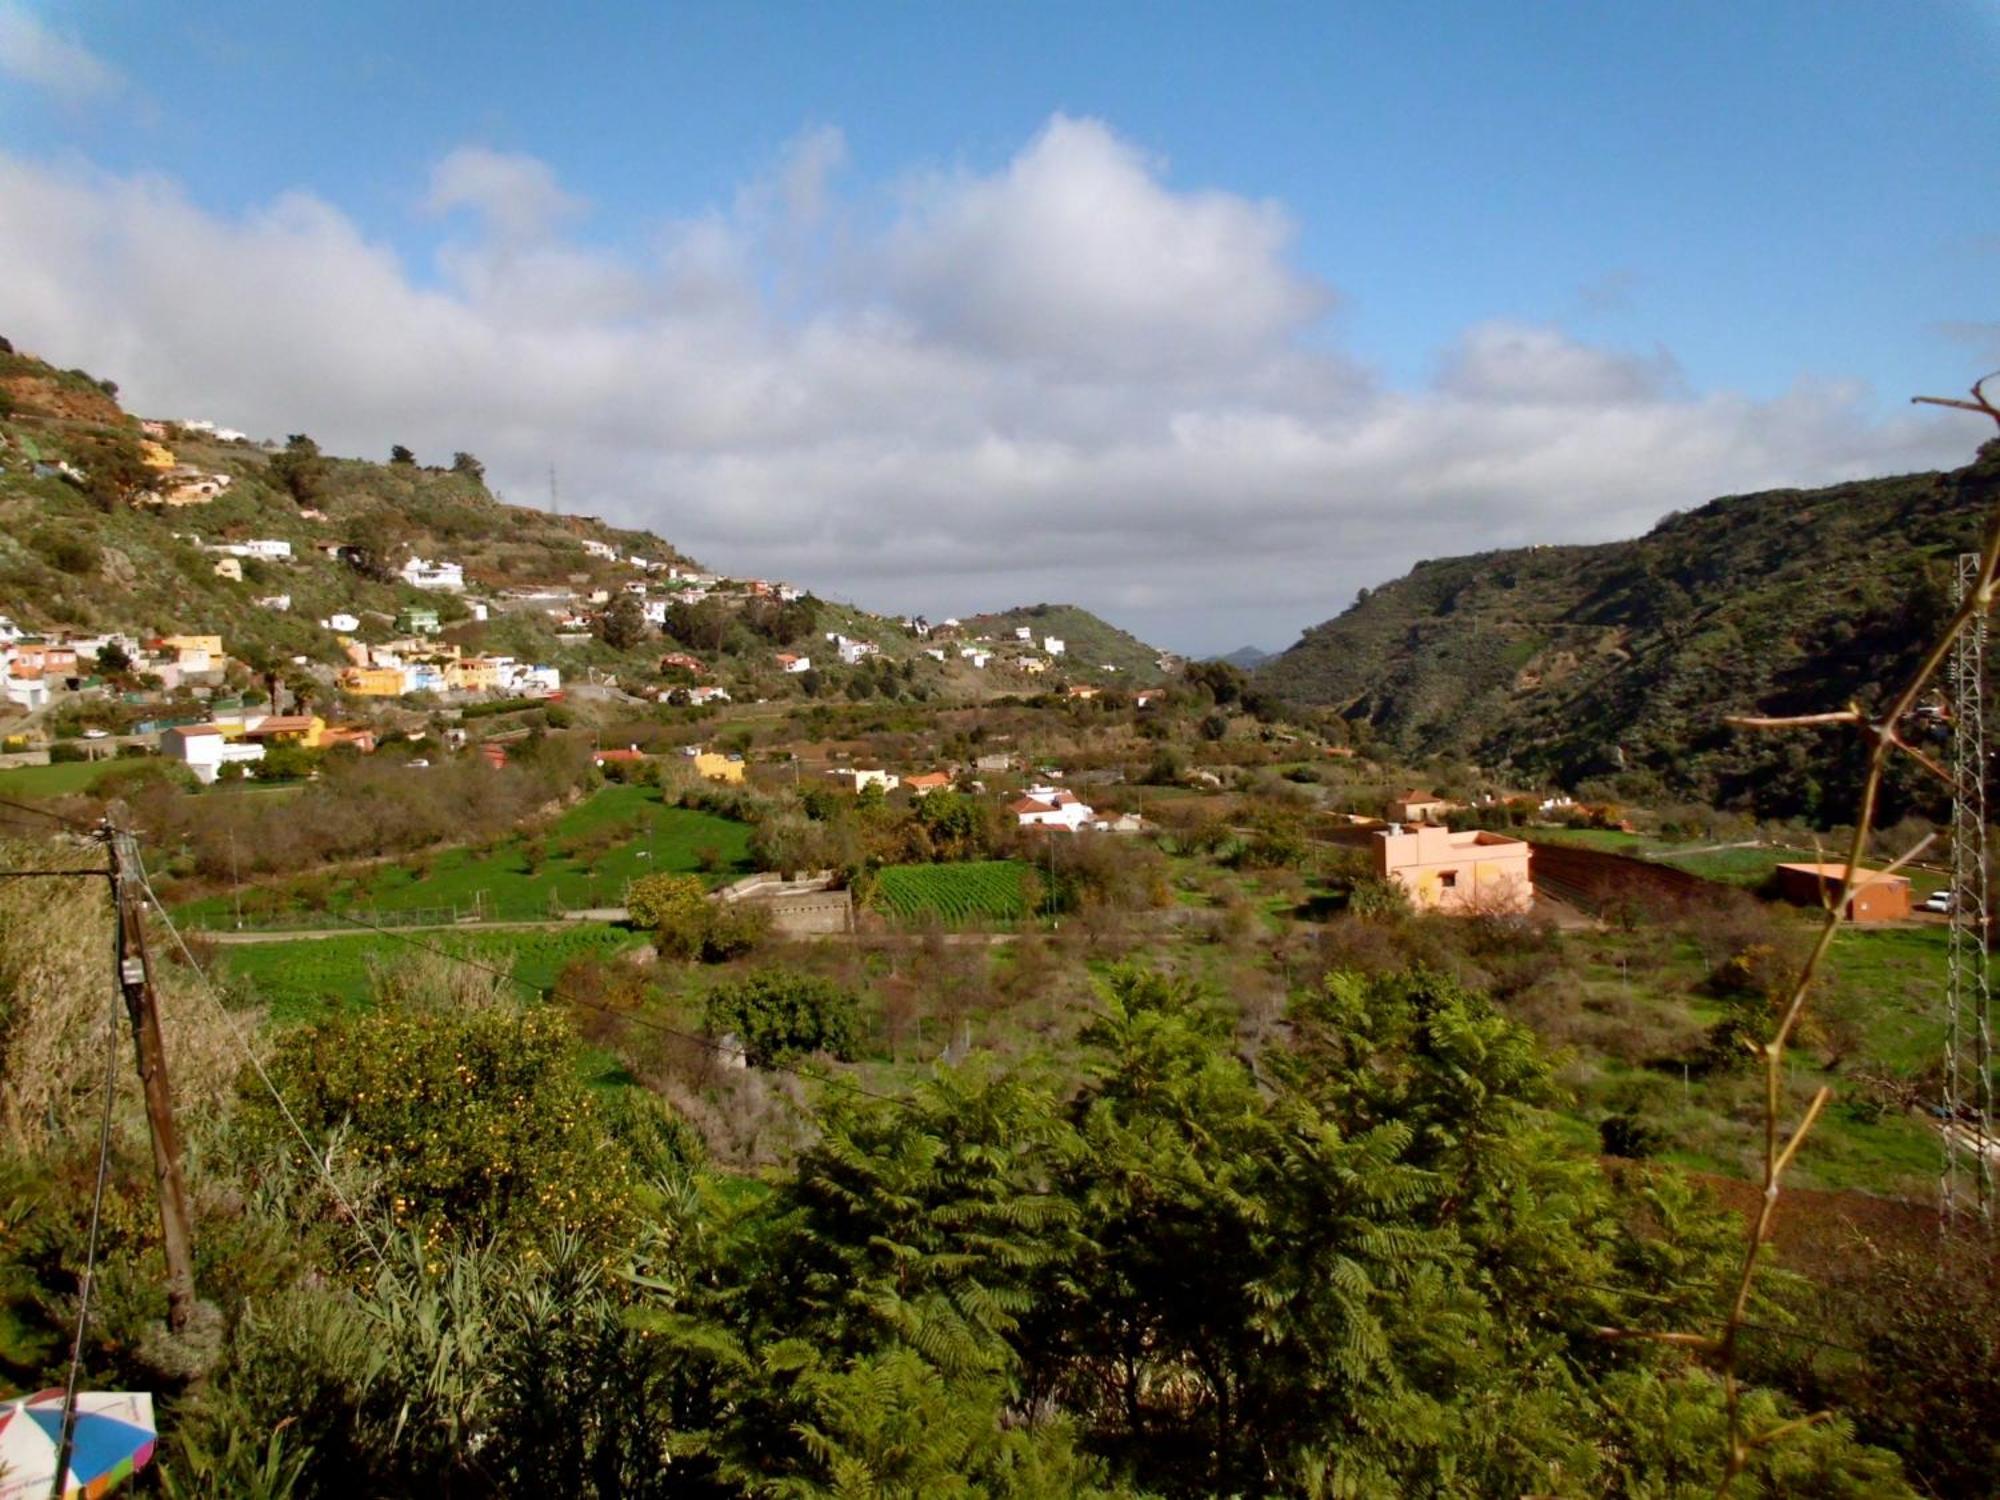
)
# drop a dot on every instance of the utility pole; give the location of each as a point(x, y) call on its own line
point(135, 978)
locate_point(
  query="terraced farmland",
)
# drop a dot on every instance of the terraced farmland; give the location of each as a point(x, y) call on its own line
point(988, 890)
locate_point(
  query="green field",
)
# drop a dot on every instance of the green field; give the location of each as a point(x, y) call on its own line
point(621, 833)
point(300, 979)
point(987, 890)
point(57, 780)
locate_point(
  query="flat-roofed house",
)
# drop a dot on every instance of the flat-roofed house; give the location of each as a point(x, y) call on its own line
point(1417, 807)
point(204, 749)
point(1468, 873)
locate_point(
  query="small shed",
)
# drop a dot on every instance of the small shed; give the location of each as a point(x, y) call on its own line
point(1876, 897)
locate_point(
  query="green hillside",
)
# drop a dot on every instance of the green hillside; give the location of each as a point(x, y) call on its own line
point(1621, 660)
point(1092, 643)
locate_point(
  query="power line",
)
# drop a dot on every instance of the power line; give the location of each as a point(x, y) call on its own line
point(43, 812)
point(68, 1431)
point(645, 1023)
point(208, 985)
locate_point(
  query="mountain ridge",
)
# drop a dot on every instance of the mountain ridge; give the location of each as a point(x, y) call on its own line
point(1621, 659)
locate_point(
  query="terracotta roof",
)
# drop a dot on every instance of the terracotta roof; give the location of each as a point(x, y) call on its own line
point(284, 724)
point(1030, 805)
point(1834, 872)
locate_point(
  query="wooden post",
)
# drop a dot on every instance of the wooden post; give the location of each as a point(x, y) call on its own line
point(135, 978)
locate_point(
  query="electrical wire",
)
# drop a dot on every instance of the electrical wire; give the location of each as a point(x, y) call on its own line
point(208, 987)
point(43, 812)
point(66, 1439)
point(645, 1023)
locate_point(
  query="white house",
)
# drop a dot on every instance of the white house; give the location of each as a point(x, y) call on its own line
point(863, 779)
point(699, 695)
point(204, 750)
point(419, 573)
point(343, 624)
point(269, 548)
point(279, 602)
point(1051, 807)
point(1024, 633)
point(30, 693)
point(9, 631)
point(1053, 644)
point(601, 549)
point(794, 664)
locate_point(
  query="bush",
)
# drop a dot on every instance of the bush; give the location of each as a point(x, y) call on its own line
point(1628, 1136)
point(686, 925)
point(782, 1014)
point(477, 1122)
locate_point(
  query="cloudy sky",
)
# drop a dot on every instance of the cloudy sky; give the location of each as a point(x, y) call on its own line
point(1202, 317)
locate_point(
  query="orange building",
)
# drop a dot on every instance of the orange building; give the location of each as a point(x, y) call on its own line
point(1876, 897)
point(1474, 872)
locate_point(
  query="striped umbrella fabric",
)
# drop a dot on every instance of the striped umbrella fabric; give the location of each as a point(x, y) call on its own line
point(113, 1439)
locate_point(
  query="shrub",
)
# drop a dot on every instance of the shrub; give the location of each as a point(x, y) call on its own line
point(781, 1014)
point(1628, 1136)
point(476, 1121)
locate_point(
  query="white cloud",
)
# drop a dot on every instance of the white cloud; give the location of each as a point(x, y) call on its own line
point(1159, 445)
point(1077, 253)
point(516, 196)
point(33, 53)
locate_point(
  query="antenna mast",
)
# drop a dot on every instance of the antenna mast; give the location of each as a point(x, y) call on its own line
point(1968, 1101)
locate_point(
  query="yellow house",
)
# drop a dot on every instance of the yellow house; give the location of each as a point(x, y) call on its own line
point(290, 729)
point(718, 767)
point(472, 674)
point(209, 644)
point(373, 682)
point(154, 455)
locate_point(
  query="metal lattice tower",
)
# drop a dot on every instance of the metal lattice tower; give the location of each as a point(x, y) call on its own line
point(1968, 1059)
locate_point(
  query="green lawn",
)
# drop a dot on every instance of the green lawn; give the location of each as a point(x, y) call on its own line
point(57, 780)
point(301, 979)
point(631, 831)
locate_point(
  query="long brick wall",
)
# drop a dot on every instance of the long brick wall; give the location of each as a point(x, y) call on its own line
point(1594, 879)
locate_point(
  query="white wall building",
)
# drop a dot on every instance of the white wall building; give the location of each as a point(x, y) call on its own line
point(422, 574)
point(1051, 807)
point(1053, 644)
point(204, 750)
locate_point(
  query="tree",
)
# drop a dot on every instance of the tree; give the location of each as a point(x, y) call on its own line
point(112, 659)
point(300, 470)
point(508, 1141)
point(113, 468)
point(623, 625)
point(375, 543)
point(401, 455)
point(781, 1014)
point(470, 467)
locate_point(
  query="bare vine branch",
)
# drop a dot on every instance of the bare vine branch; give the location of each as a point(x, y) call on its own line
point(1884, 741)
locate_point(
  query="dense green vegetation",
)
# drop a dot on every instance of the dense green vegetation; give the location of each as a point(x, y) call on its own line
point(1619, 661)
point(585, 860)
point(300, 979)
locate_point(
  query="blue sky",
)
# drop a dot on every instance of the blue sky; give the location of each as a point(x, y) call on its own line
point(1612, 259)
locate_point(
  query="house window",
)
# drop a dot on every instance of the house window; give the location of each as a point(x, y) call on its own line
point(1448, 879)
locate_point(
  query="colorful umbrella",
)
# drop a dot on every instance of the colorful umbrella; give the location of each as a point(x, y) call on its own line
point(113, 1437)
